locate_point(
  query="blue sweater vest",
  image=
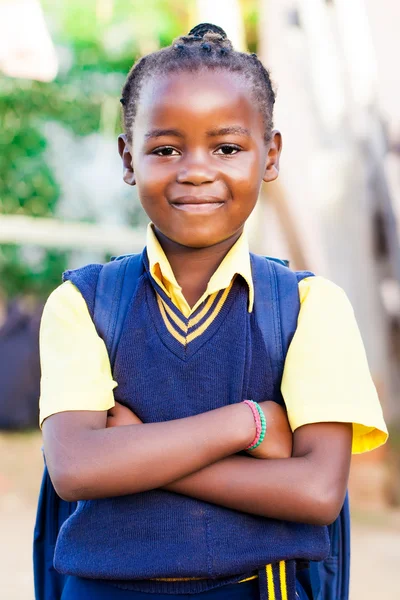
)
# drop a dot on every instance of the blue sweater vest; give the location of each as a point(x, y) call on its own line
point(169, 367)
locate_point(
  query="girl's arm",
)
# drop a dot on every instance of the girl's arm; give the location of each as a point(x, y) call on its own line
point(316, 476)
point(309, 487)
point(86, 460)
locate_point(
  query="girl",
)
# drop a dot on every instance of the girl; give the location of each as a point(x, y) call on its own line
point(169, 504)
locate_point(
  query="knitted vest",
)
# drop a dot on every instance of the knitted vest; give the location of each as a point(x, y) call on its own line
point(169, 367)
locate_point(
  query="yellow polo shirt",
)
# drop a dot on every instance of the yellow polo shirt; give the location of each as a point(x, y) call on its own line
point(326, 376)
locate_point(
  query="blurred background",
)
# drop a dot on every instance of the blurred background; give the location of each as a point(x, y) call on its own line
point(335, 209)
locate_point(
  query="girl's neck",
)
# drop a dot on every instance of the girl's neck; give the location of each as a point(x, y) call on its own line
point(193, 267)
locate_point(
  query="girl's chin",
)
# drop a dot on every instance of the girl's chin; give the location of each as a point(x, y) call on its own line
point(196, 233)
point(199, 240)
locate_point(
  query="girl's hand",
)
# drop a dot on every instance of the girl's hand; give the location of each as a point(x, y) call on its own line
point(278, 439)
point(120, 415)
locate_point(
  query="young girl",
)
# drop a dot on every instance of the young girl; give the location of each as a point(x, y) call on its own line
point(174, 502)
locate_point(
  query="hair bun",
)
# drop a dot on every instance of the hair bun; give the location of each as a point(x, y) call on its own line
point(203, 28)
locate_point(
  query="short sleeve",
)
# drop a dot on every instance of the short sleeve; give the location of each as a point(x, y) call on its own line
point(326, 376)
point(76, 372)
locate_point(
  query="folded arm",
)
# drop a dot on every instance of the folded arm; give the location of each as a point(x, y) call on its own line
point(308, 487)
point(87, 460)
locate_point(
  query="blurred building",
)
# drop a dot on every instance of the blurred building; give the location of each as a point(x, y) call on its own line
point(335, 209)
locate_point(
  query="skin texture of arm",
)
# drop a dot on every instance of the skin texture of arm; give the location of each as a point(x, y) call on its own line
point(277, 444)
point(86, 460)
point(308, 487)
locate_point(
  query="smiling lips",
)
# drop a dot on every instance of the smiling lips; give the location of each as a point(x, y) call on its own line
point(194, 204)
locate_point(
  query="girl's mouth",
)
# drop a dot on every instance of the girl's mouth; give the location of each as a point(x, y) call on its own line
point(197, 204)
point(197, 207)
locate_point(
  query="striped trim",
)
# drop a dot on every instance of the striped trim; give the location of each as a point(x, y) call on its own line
point(248, 579)
point(282, 578)
point(274, 577)
point(175, 579)
point(180, 328)
point(167, 323)
point(270, 583)
point(278, 581)
point(173, 316)
point(194, 320)
point(195, 334)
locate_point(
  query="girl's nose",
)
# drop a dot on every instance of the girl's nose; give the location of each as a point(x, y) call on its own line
point(196, 172)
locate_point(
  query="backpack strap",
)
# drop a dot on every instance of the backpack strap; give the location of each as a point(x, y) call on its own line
point(116, 285)
point(276, 289)
point(51, 514)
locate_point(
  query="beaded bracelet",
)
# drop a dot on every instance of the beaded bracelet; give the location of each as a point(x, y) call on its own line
point(261, 423)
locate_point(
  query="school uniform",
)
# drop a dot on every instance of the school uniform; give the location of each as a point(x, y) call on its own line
point(163, 543)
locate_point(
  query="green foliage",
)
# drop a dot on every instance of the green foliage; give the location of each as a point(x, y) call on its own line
point(97, 48)
point(18, 277)
point(26, 183)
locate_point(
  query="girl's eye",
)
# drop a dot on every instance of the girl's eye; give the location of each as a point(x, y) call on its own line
point(227, 150)
point(165, 151)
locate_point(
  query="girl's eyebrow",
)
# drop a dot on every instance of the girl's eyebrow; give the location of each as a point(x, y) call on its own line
point(233, 130)
point(155, 133)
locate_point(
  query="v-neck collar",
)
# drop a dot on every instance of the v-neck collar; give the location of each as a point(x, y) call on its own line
point(185, 335)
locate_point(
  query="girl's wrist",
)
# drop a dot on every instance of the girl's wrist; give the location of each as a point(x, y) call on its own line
point(241, 425)
point(261, 424)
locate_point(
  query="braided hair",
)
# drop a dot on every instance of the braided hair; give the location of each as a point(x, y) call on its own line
point(206, 46)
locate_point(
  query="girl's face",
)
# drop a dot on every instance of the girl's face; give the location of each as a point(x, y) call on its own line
point(199, 155)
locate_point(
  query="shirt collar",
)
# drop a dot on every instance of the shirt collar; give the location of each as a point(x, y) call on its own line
point(236, 262)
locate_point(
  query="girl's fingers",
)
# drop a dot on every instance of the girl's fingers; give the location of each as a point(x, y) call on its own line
point(120, 415)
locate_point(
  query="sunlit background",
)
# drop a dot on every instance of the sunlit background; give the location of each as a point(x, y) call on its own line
point(335, 209)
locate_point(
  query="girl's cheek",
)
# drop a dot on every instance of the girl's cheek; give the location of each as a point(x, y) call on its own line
point(155, 172)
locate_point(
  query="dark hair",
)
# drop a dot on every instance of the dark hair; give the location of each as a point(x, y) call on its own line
point(205, 46)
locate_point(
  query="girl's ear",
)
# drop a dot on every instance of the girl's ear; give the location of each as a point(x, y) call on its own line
point(274, 153)
point(125, 154)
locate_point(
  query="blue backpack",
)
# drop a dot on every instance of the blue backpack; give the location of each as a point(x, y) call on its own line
point(324, 580)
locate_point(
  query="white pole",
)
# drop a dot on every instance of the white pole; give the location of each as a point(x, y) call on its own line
point(52, 233)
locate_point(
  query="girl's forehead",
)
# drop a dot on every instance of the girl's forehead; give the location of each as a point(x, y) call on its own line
point(192, 97)
point(200, 77)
